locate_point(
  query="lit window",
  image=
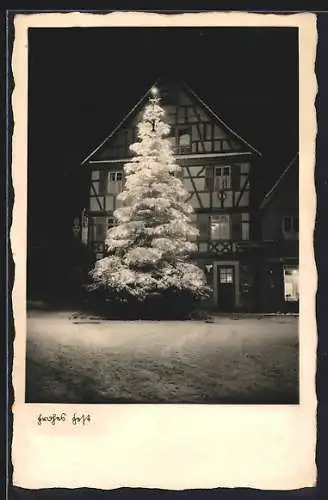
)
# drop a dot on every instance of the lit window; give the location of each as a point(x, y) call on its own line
point(184, 140)
point(222, 178)
point(115, 181)
point(291, 283)
point(220, 227)
point(226, 275)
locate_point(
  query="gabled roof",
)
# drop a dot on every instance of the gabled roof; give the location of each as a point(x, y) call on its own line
point(274, 188)
point(221, 122)
point(205, 106)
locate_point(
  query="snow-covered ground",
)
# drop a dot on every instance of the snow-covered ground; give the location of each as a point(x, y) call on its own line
point(232, 360)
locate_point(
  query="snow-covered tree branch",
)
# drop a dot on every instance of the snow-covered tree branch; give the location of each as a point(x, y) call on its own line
point(148, 249)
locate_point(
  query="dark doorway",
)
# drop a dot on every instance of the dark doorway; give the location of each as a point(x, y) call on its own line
point(273, 287)
point(226, 287)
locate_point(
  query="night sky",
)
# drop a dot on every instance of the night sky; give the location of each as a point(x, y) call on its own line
point(82, 81)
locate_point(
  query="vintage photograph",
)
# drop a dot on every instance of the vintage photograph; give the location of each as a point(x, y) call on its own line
point(163, 215)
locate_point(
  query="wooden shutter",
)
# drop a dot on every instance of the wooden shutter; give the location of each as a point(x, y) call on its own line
point(103, 182)
point(90, 229)
point(202, 225)
point(209, 178)
point(236, 227)
point(101, 231)
point(235, 177)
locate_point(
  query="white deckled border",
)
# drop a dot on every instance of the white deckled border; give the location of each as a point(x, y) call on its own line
point(171, 447)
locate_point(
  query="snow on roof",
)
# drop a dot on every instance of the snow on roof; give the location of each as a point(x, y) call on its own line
point(190, 91)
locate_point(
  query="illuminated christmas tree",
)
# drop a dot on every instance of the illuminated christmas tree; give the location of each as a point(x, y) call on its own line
point(148, 249)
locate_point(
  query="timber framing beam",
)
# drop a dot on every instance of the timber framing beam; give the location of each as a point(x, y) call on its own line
point(183, 159)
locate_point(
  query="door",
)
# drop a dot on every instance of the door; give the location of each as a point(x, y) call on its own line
point(226, 287)
point(272, 287)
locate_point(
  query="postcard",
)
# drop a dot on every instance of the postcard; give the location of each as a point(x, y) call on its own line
point(162, 235)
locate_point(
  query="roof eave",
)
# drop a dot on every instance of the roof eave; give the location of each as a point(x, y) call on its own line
point(222, 122)
point(193, 93)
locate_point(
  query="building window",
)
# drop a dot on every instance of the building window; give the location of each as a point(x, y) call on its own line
point(115, 182)
point(98, 249)
point(179, 174)
point(220, 227)
point(110, 222)
point(222, 178)
point(95, 175)
point(291, 283)
point(209, 178)
point(97, 229)
point(184, 140)
point(226, 275)
point(290, 224)
point(245, 226)
point(287, 223)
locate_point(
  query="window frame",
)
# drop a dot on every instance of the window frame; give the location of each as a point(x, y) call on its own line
point(181, 131)
point(245, 226)
point(110, 219)
point(294, 283)
point(222, 185)
point(228, 226)
point(226, 273)
point(115, 185)
point(292, 222)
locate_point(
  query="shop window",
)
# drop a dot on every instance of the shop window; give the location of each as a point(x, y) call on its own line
point(291, 283)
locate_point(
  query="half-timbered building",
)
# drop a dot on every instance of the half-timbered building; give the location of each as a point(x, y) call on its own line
point(218, 172)
point(279, 212)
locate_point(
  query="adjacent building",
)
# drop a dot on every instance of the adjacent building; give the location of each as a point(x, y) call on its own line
point(219, 172)
point(279, 215)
